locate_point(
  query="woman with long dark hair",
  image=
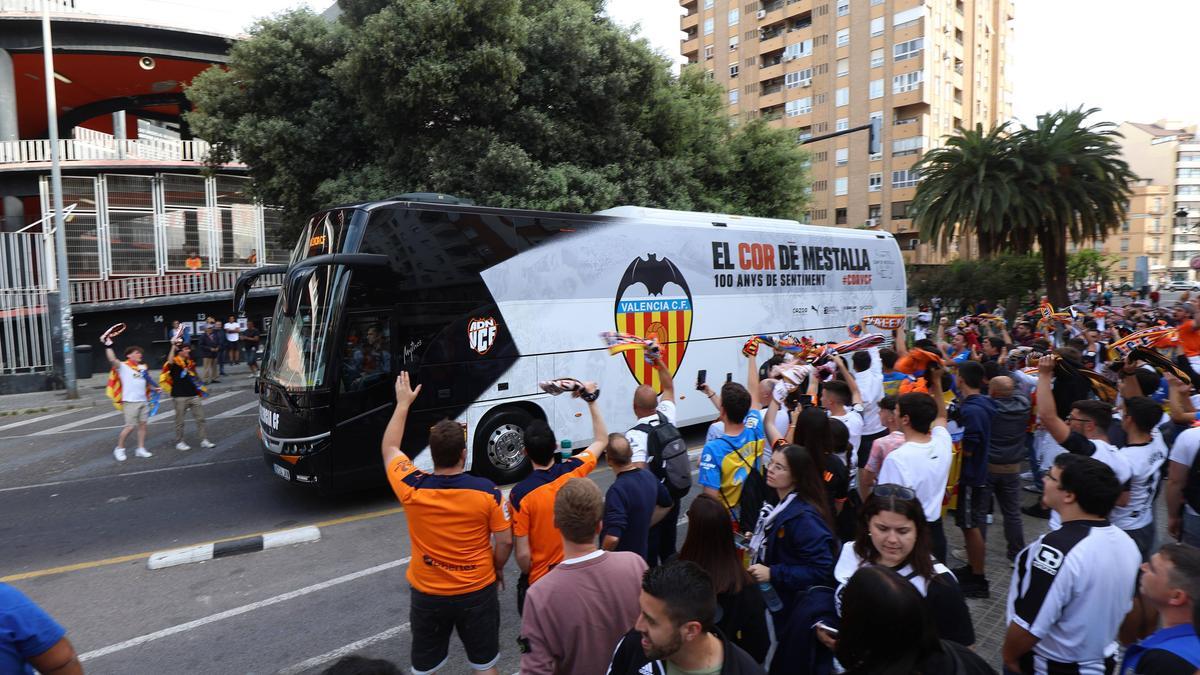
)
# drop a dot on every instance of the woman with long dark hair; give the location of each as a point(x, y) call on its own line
point(886, 629)
point(813, 432)
point(892, 533)
point(793, 549)
point(709, 544)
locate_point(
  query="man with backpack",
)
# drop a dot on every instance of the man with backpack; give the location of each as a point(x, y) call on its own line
point(731, 464)
point(656, 444)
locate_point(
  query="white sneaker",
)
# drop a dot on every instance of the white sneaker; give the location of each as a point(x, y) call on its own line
point(182, 446)
point(119, 454)
point(207, 444)
point(143, 453)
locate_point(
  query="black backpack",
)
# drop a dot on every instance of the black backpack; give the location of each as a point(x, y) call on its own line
point(754, 493)
point(667, 456)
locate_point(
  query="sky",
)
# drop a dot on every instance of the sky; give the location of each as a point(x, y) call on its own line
point(1136, 66)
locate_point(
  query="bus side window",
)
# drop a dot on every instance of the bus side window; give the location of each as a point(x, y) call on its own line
point(367, 353)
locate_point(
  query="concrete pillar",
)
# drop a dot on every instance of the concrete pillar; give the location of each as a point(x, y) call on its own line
point(118, 122)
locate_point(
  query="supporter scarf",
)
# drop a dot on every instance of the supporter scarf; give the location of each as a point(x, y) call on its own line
point(113, 389)
point(1158, 361)
point(623, 342)
point(884, 321)
point(1145, 337)
point(189, 371)
point(766, 516)
point(560, 386)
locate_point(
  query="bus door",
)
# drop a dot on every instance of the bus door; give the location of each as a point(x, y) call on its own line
point(367, 368)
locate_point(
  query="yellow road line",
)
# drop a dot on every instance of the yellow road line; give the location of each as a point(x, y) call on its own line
point(138, 556)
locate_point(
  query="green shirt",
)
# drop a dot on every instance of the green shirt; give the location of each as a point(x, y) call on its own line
point(673, 669)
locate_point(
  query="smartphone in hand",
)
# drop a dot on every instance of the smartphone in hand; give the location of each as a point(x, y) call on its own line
point(701, 377)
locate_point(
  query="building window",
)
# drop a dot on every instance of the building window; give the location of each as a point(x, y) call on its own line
point(875, 89)
point(876, 2)
point(841, 156)
point(819, 186)
point(1124, 244)
point(733, 17)
point(875, 211)
point(907, 146)
point(1157, 208)
point(803, 134)
point(708, 52)
point(708, 26)
point(840, 185)
point(904, 178)
point(1125, 226)
point(874, 183)
point(839, 216)
point(1186, 156)
point(798, 107)
point(908, 50)
point(733, 96)
point(733, 43)
point(733, 70)
point(877, 26)
point(802, 78)
point(843, 7)
point(842, 124)
point(1154, 225)
point(798, 49)
point(899, 210)
point(906, 82)
point(1155, 246)
point(843, 67)
point(1182, 190)
point(1187, 173)
point(842, 96)
point(708, 4)
point(843, 37)
point(876, 58)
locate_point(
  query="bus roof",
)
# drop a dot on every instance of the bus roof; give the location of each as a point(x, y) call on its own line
point(669, 217)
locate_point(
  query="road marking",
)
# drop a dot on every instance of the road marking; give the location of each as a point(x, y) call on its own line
point(77, 423)
point(91, 429)
point(141, 556)
point(168, 414)
point(238, 611)
point(317, 661)
point(37, 419)
point(128, 474)
point(234, 411)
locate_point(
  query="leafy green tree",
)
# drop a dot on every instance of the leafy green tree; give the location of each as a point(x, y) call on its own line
point(1010, 278)
point(535, 104)
point(1088, 266)
point(1060, 181)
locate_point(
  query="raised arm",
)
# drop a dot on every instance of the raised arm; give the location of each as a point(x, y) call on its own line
point(901, 341)
point(712, 396)
point(769, 426)
point(935, 390)
point(394, 434)
point(1046, 410)
point(1180, 405)
point(752, 383)
point(664, 376)
point(855, 394)
point(112, 357)
point(599, 430)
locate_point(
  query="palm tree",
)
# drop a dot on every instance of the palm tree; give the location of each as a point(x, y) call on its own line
point(1045, 185)
point(967, 188)
point(1073, 186)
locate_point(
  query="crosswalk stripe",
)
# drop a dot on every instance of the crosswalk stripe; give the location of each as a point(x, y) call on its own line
point(78, 423)
point(234, 411)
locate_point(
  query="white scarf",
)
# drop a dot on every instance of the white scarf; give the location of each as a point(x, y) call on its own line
point(765, 517)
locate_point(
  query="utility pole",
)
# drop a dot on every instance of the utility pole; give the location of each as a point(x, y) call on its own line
point(60, 232)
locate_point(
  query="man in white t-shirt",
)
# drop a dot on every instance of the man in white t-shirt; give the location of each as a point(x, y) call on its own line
point(233, 338)
point(652, 410)
point(923, 462)
point(868, 374)
point(1145, 452)
point(1183, 521)
point(134, 400)
point(843, 401)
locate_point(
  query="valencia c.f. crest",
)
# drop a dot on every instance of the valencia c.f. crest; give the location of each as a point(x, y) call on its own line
point(653, 301)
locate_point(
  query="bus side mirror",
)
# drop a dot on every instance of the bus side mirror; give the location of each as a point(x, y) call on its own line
point(294, 289)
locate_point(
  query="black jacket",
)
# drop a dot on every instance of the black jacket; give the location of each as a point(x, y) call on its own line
point(743, 618)
point(629, 659)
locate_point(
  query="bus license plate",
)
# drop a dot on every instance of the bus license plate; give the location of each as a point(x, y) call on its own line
point(282, 472)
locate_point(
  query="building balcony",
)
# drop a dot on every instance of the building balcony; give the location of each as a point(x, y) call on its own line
point(690, 48)
point(770, 71)
point(771, 43)
point(916, 95)
point(689, 21)
point(99, 149)
point(770, 97)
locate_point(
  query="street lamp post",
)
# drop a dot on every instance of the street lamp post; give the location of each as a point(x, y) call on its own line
point(60, 233)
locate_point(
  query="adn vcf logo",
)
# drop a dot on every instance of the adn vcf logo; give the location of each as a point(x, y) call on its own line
point(653, 301)
point(481, 334)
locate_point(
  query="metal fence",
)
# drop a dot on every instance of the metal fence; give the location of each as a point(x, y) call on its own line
point(154, 225)
point(24, 313)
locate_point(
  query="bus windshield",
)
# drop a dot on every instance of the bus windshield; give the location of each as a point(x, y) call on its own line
point(299, 355)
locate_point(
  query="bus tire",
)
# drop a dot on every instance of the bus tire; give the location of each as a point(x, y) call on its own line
point(499, 453)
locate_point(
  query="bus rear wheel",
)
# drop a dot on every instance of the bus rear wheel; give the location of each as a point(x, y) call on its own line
point(499, 446)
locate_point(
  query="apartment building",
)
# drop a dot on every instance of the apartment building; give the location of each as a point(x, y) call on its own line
point(1141, 244)
point(924, 67)
point(1166, 155)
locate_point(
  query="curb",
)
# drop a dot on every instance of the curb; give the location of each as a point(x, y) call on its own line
point(49, 407)
point(221, 549)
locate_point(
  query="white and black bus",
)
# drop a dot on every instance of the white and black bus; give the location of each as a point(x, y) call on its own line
point(479, 304)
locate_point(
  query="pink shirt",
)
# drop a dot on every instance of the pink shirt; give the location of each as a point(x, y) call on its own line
point(579, 611)
point(882, 447)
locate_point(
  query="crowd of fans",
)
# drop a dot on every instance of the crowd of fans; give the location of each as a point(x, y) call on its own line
point(816, 540)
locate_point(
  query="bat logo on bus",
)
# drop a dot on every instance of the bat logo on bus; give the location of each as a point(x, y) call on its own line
point(481, 334)
point(654, 301)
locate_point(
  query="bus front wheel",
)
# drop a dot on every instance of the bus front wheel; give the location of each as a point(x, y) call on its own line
point(499, 446)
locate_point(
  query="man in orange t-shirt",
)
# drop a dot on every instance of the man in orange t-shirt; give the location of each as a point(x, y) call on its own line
point(538, 542)
point(1189, 336)
point(460, 539)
